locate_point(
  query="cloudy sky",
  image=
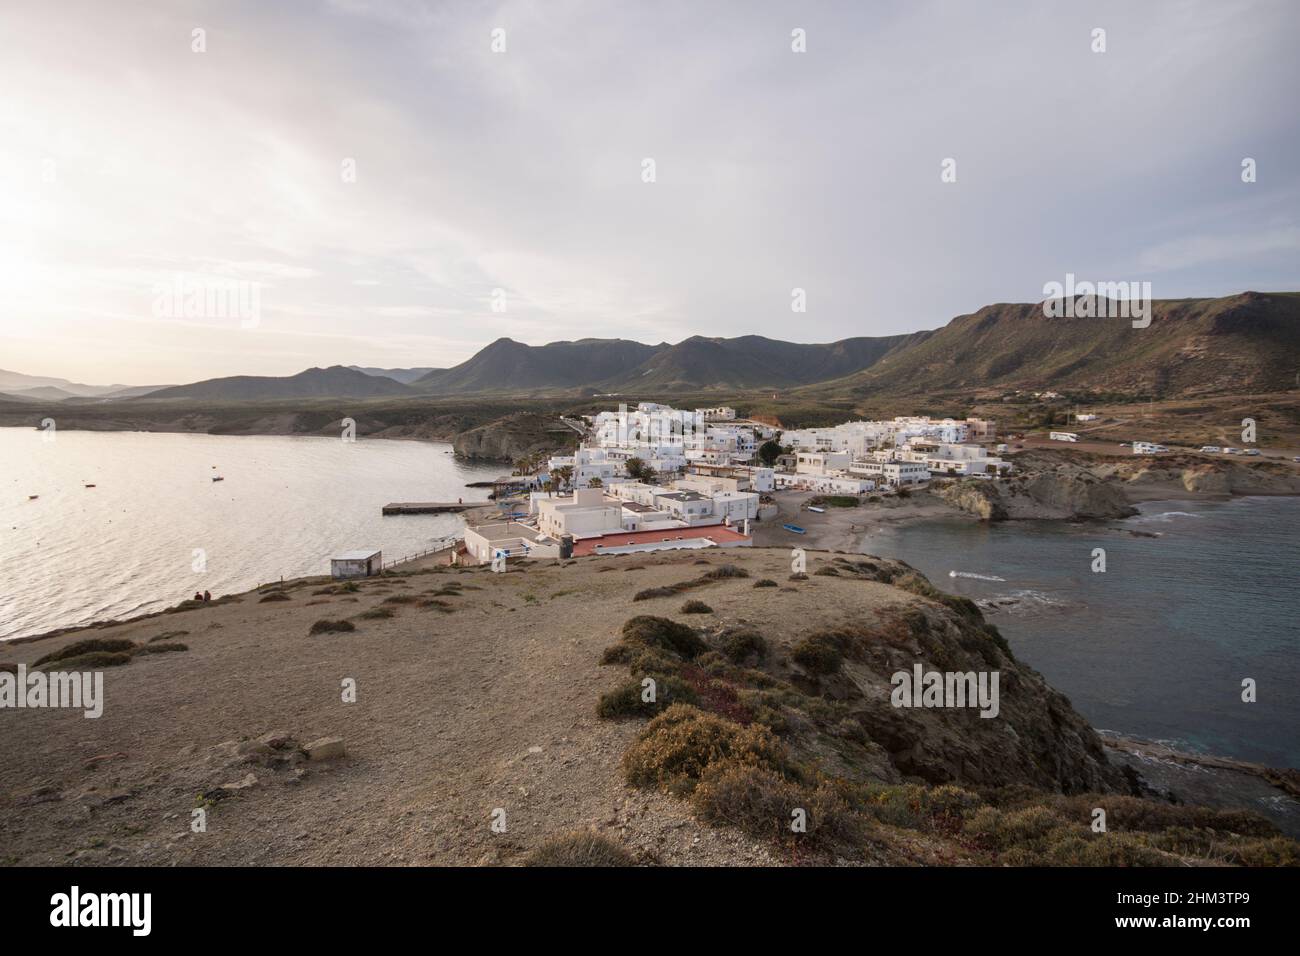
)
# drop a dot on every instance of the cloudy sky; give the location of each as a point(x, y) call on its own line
point(129, 159)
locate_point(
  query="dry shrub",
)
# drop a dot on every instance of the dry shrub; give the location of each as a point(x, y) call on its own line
point(112, 645)
point(579, 848)
point(763, 803)
point(675, 748)
point(161, 647)
point(696, 607)
point(626, 699)
point(660, 632)
point(743, 645)
point(326, 626)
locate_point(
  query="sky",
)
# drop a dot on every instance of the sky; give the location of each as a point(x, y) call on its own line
point(370, 182)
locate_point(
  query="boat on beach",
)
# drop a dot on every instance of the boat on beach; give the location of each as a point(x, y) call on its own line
point(794, 528)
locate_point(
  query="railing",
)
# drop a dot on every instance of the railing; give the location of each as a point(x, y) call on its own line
point(443, 544)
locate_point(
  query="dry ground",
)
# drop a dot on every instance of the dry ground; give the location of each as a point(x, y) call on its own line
point(457, 714)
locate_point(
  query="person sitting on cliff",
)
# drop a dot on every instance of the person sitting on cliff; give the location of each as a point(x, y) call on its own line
point(198, 596)
point(207, 595)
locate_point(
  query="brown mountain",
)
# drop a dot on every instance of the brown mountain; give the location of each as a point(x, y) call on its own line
point(1239, 343)
point(333, 382)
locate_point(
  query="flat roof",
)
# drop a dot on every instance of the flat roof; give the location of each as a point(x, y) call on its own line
point(360, 555)
point(716, 532)
point(505, 529)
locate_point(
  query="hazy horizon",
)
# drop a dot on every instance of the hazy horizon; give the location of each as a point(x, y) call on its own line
point(128, 159)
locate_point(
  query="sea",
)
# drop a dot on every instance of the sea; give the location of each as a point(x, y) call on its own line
point(156, 528)
point(1156, 626)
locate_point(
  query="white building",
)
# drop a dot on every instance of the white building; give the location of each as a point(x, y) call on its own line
point(510, 538)
point(821, 462)
point(584, 513)
point(892, 473)
point(736, 506)
point(827, 484)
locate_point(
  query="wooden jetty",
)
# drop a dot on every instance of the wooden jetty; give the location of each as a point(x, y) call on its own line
point(429, 507)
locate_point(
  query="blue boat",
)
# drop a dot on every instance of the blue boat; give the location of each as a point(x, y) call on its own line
point(793, 527)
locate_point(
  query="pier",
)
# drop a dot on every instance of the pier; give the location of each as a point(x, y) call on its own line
point(429, 507)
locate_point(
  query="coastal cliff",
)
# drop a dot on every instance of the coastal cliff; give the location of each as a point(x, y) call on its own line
point(1059, 485)
point(513, 437)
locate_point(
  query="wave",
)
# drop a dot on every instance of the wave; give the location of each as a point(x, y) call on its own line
point(1025, 601)
point(1165, 516)
point(977, 577)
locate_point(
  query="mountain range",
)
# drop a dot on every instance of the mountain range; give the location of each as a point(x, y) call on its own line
point(1248, 342)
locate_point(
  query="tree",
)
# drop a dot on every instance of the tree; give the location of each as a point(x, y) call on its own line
point(638, 470)
point(595, 483)
point(562, 476)
point(769, 451)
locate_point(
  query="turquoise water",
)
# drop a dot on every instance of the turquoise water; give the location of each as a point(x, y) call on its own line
point(1157, 646)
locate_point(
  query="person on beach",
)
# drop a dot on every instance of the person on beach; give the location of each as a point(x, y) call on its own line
point(207, 595)
point(198, 596)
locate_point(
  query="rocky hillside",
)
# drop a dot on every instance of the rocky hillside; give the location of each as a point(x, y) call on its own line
point(513, 437)
point(1240, 343)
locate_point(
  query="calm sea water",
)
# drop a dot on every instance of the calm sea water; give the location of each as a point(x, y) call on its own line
point(1158, 645)
point(128, 545)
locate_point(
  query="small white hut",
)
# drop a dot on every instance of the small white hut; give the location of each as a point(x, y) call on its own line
point(357, 564)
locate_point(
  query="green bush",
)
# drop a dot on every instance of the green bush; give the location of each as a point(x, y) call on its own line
point(743, 645)
point(626, 699)
point(817, 654)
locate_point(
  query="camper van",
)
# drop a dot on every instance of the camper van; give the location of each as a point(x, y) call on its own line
point(1063, 436)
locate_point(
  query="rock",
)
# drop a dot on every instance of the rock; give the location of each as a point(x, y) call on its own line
point(511, 438)
point(326, 748)
point(249, 780)
point(277, 740)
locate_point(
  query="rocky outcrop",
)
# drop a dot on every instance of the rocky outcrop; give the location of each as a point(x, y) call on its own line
point(513, 437)
point(1036, 738)
point(1047, 495)
point(1215, 476)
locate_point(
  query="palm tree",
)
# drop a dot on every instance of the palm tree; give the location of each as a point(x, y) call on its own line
point(595, 483)
point(562, 476)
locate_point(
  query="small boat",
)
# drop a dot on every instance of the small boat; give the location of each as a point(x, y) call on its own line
point(32, 497)
point(88, 486)
point(217, 478)
point(820, 511)
point(793, 527)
